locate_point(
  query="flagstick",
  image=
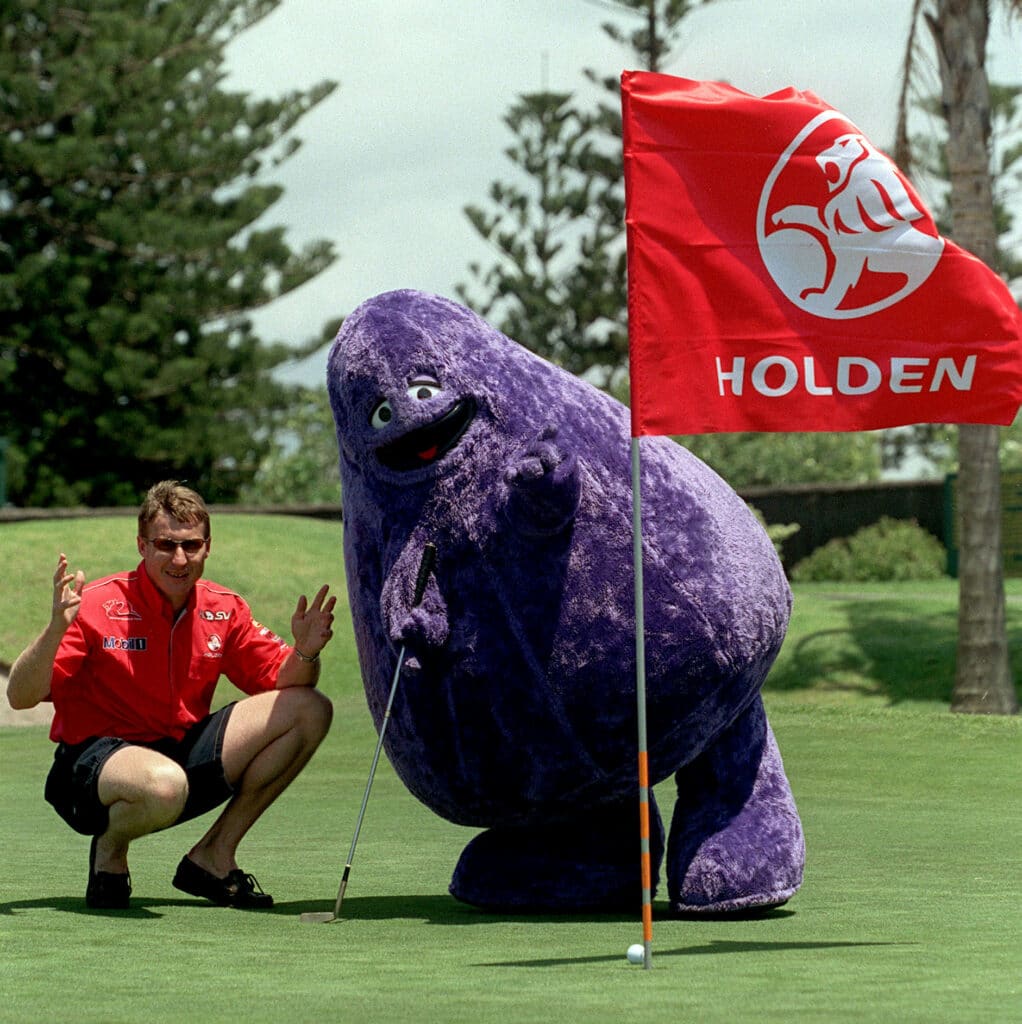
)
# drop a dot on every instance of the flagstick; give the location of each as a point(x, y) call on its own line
point(640, 689)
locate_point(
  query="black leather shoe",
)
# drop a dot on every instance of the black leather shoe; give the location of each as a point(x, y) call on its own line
point(106, 890)
point(236, 890)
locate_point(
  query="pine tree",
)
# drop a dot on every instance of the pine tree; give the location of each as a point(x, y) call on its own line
point(558, 285)
point(131, 182)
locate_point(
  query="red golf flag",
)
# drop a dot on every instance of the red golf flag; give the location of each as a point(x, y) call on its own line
point(784, 275)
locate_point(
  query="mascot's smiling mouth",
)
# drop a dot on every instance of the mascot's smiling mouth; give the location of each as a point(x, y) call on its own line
point(425, 445)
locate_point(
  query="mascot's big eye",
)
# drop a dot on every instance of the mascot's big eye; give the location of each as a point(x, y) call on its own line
point(423, 388)
point(381, 415)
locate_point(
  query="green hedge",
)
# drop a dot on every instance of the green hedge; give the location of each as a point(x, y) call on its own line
point(889, 549)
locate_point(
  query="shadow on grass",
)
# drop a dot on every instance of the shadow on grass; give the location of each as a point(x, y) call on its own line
point(141, 909)
point(434, 908)
point(446, 910)
point(717, 947)
point(891, 648)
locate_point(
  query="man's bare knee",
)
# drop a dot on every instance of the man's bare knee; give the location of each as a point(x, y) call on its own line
point(313, 712)
point(145, 791)
point(300, 714)
point(165, 791)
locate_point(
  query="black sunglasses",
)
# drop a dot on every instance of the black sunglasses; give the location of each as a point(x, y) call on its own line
point(192, 546)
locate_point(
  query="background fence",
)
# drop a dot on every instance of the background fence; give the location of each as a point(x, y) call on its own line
point(826, 511)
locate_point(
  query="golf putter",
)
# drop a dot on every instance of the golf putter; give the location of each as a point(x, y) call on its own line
point(325, 916)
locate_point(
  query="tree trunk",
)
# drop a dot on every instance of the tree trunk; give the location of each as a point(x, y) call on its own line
point(983, 681)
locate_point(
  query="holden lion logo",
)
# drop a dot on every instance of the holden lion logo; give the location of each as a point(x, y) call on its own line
point(214, 643)
point(839, 230)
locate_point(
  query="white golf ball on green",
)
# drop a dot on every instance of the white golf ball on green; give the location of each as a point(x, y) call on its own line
point(636, 953)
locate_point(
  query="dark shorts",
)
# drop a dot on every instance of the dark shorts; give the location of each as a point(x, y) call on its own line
point(73, 783)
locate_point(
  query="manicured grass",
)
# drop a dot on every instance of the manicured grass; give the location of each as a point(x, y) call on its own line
point(909, 912)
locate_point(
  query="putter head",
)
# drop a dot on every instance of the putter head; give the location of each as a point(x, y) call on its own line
point(318, 917)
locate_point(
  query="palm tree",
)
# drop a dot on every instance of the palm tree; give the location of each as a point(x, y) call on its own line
point(959, 29)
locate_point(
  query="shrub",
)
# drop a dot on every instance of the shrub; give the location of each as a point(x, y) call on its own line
point(777, 532)
point(890, 549)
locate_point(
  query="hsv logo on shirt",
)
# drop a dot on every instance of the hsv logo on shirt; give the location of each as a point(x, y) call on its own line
point(118, 608)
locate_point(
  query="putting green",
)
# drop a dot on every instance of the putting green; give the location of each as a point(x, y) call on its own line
point(908, 913)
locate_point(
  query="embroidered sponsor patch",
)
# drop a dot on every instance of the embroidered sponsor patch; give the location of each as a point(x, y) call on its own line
point(118, 608)
point(267, 632)
point(125, 643)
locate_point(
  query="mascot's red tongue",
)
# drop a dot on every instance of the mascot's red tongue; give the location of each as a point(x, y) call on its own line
point(428, 455)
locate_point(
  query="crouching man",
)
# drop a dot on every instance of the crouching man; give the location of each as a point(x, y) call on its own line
point(130, 663)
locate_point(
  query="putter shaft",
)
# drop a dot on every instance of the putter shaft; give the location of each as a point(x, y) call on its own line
point(425, 568)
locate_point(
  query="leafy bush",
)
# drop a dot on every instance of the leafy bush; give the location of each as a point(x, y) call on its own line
point(890, 549)
point(777, 532)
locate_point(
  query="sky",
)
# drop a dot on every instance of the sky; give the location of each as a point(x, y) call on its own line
point(414, 131)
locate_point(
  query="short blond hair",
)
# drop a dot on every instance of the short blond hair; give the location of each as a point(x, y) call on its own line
point(177, 501)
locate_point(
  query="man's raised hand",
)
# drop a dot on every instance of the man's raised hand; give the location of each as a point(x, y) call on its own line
point(67, 592)
point(312, 621)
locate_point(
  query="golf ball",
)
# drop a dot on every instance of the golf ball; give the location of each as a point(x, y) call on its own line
point(636, 953)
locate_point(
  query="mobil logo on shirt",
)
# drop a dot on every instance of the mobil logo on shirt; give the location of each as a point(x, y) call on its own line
point(125, 643)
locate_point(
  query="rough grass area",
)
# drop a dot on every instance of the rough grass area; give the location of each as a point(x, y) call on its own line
point(892, 643)
point(270, 560)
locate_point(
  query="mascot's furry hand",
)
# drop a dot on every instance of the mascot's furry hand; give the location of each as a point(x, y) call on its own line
point(421, 628)
point(544, 486)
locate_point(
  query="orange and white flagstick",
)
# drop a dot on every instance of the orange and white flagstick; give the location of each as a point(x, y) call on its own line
point(640, 690)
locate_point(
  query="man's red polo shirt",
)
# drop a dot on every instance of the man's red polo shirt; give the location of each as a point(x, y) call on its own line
point(125, 668)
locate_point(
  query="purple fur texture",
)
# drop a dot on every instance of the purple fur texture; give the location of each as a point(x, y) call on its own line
point(517, 710)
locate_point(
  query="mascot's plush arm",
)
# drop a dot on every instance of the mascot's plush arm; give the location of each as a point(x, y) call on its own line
point(544, 486)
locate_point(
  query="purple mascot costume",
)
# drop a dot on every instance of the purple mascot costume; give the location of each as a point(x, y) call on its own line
point(516, 711)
